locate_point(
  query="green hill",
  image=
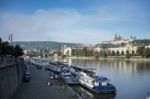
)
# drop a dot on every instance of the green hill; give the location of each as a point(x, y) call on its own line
point(43, 44)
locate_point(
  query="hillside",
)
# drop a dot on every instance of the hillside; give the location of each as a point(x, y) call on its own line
point(43, 44)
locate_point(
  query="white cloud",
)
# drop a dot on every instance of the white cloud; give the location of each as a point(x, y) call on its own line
point(55, 24)
point(91, 25)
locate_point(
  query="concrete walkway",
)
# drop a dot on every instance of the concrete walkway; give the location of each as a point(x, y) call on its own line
point(38, 88)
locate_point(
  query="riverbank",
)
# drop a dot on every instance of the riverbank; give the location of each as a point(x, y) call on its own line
point(115, 58)
point(133, 58)
point(38, 87)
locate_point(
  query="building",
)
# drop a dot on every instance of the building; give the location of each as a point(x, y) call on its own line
point(66, 51)
point(118, 45)
point(148, 46)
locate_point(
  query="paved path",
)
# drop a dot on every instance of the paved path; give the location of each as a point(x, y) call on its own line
point(37, 88)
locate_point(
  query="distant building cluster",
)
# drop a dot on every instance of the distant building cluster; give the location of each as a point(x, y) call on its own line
point(117, 46)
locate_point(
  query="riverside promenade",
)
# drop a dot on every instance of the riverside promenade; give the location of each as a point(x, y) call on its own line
point(37, 87)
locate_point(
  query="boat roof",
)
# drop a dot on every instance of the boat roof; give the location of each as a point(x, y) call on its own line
point(83, 68)
point(58, 63)
point(98, 78)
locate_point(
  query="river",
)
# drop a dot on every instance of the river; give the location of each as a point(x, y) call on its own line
point(130, 77)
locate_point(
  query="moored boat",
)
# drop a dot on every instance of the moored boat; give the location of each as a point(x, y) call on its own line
point(89, 79)
point(65, 73)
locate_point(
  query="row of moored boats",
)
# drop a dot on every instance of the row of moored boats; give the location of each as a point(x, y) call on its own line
point(85, 76)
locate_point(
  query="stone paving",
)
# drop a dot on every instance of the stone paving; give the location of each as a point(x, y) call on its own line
point(37, 87)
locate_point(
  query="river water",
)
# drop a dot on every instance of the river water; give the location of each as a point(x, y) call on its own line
point(131, 78)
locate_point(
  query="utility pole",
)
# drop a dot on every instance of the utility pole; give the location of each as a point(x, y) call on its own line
point(10, 38)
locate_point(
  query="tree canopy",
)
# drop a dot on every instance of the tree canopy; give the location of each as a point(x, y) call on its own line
point(7, 49)
point(144, 52)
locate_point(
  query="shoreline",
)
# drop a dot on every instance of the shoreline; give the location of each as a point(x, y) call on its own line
point(112, 58)
point(115, 58)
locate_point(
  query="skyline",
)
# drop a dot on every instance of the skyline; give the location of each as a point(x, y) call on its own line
point(75, 21)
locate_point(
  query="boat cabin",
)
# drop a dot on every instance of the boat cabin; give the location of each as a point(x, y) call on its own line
point(103, 81)
point(91, 78)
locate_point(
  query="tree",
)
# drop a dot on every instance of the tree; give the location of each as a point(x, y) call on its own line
point(7, 49)
point(74, 52)
point(146, 52)
point(17, 51)
point(90, 53)
point(85, 51)
point(96, 54)
point(140, 51)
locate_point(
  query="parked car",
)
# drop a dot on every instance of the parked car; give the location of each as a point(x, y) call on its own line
point(27, 75)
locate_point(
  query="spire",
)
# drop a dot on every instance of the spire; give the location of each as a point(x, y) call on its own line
point(131, 37)
point(115, 37)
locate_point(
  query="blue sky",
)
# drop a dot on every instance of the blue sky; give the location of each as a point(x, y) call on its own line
point(78, 21)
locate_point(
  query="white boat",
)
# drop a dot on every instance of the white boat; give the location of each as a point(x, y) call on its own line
point(89, 79)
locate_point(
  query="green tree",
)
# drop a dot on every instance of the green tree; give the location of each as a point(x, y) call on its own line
point(73, 52)
point(146, 52)
point(17, 51)
point(140, 51)
point(5, 48)
point(85, 51)
point(90, 53)
point(96, 54)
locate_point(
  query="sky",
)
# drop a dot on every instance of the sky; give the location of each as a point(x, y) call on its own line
point(75, 21)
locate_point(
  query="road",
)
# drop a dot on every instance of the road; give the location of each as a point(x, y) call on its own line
point(37, 87)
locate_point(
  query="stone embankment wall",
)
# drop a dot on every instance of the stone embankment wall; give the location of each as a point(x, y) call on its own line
point(11, 75)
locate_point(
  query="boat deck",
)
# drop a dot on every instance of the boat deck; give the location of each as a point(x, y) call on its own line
point(71, 81)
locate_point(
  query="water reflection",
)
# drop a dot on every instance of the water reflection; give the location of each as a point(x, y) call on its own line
point(127, 66)
point(68, 60)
